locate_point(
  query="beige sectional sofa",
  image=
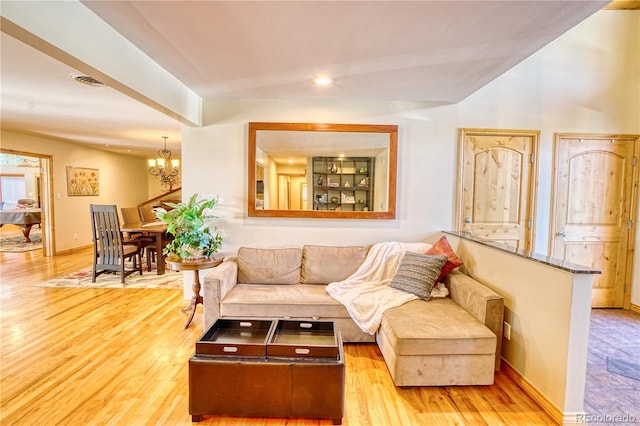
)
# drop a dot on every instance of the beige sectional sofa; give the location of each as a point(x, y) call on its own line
point(443, 341)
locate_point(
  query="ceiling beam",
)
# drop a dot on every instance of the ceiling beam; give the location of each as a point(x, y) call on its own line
point(72, 34)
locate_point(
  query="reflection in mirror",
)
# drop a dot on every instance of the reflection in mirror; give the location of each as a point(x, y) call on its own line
point(322, 170)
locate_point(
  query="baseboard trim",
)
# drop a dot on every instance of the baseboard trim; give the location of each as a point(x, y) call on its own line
point(534, 393)
point(635, 308)
point(580, 418)
point(73, 250)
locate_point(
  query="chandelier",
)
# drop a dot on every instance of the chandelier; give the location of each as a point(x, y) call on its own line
point(164, 168)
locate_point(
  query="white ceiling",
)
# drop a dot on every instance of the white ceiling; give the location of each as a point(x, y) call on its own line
point(432, 51)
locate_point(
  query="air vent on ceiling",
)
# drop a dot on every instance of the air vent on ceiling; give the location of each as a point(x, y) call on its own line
point(89, 81)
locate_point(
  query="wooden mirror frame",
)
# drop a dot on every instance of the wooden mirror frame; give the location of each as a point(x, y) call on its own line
point(392, 130)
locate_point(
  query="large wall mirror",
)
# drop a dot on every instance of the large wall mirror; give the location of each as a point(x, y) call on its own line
point(322, 170)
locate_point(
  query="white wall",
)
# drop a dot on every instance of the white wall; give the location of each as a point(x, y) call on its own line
point(585, 81)
point(548, 309)
point(120, 177)
point(588, 80)
point(216, 158)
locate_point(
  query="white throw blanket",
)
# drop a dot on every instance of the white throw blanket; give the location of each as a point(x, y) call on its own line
point(366, 293)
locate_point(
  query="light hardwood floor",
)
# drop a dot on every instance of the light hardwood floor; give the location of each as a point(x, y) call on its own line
point(119, 357)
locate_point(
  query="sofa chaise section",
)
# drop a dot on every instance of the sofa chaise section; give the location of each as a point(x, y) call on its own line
point(444, 342)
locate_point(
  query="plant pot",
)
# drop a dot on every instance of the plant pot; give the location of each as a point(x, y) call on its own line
point(194, 253)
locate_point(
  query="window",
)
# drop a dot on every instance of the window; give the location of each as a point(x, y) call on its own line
point(12, 188)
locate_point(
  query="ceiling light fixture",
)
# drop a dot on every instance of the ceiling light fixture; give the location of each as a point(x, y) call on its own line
point(323, 80)
point(28, 162)
point(87, 80)
point(164, 168)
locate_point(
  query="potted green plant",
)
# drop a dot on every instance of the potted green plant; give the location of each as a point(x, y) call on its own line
point(193, 239)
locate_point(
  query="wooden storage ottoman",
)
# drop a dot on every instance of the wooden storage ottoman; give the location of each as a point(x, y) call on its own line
point(303, 376)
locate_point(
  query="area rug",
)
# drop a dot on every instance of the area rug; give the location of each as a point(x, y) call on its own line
point(82, 279)
point(12, 242)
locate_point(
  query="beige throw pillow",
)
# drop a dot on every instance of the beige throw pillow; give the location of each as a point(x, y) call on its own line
point(269, 265)
point(327, 264)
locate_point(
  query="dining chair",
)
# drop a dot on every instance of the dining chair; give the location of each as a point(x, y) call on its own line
point(147, 214)
point(109, 249)
point(132, 215)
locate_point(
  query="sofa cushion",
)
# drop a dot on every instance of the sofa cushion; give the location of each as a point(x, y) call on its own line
point(437, 327)
point(418, 273)
point(295, 301)
point(269, 265)
point(327, 264)
point(442, 246)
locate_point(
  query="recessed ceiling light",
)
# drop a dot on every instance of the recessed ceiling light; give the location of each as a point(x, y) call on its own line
point(323, 80)
point(85, 79)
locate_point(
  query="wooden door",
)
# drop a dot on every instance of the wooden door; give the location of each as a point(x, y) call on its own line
point(594, 210)
point(497, 185)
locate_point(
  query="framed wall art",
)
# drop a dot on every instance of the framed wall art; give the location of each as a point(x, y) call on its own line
point(82, 181)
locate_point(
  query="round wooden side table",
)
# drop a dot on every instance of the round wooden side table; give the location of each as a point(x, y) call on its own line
point(177, 264)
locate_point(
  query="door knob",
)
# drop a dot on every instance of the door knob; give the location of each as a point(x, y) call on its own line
point(561, 234)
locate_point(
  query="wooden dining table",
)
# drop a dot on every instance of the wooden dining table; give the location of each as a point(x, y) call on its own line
point(157, 229)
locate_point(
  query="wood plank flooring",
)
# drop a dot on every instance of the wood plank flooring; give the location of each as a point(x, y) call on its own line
point(119, 357)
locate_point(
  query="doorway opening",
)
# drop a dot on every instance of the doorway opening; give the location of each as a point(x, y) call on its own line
point(39, 189)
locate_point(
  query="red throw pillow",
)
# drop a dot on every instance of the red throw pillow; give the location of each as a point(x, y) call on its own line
point(443, 247)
